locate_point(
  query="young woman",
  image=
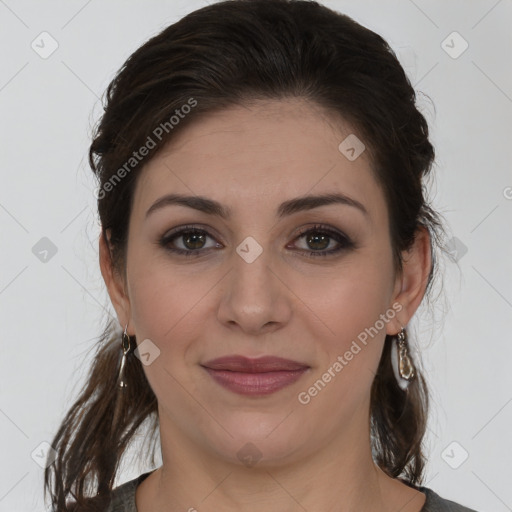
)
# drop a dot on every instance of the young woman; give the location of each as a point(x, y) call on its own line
point(265, 241)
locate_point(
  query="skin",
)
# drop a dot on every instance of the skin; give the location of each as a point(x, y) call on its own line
point(314, 457)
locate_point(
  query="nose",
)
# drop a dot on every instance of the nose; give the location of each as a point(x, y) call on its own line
point(254, 296)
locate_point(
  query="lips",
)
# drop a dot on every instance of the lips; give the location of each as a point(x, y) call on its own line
point(260, 365)
point(257, 377)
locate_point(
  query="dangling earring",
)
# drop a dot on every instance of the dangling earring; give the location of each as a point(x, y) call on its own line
point(126, 344)
point(401, 360)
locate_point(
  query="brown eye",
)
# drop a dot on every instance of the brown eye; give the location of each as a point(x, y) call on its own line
point(192, 239)
point(318, 238)
point(318, 241)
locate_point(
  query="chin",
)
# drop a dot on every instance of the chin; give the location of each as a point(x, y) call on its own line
point(262, 440)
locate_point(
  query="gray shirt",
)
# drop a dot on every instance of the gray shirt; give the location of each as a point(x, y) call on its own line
point(123, 499)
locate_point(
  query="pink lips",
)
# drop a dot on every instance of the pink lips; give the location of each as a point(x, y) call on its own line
point(260, 376)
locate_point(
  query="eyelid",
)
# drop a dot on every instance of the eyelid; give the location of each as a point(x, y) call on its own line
point(211, 232)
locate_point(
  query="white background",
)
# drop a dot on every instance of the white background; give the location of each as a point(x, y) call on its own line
point(51, 313)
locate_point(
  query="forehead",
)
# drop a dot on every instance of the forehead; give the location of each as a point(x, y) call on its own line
point(250, 156)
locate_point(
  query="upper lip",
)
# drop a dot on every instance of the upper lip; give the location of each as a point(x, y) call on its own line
point(236, 363)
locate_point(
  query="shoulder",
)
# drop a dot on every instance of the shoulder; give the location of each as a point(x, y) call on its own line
point(123, 496)
point(122, 499)
point(434, 503)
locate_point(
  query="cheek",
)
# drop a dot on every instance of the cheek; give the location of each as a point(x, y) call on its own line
point(166, 307)
point(348, 360)
point(170, 305)
point(351, 311)
point(350, 299)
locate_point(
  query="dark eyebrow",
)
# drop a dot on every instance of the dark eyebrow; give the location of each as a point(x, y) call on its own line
point(286, 208)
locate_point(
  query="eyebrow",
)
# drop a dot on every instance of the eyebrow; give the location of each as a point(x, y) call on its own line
point(298, 204)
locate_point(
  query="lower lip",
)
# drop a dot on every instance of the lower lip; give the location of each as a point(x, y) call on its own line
point(255, 383)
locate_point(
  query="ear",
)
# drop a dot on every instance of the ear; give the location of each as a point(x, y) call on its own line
point(411, 283)
point(114, 282)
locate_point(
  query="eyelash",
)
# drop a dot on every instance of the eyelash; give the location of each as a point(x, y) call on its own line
point(344, 241)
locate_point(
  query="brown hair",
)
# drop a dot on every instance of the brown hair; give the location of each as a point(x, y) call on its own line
point(230, 53)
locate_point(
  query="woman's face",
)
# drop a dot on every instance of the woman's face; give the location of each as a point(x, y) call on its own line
point(248, 285)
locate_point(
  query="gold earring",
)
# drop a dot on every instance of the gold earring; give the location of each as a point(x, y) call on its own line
point(404, 367)
point(126, 345)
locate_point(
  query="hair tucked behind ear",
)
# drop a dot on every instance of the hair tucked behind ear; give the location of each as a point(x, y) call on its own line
point(225, 54)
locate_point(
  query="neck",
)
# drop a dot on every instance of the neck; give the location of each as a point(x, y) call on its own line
point(341, 477)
